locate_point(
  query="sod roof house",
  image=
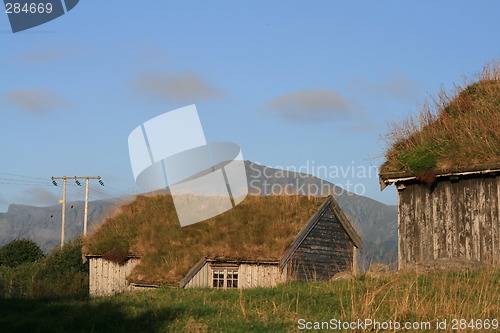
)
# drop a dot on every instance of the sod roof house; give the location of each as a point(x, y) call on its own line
point(447, 175)
point(259, 243)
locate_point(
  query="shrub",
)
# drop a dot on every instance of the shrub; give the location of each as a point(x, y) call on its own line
point(16, 281)
point(63, 274)
point(19, 251)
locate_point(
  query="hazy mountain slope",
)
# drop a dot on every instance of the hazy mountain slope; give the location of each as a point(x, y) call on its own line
point(43, 224)
point(376, 222)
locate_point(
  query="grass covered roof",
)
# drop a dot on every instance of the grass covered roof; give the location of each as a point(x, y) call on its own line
point(257, 228)
point(460, 133)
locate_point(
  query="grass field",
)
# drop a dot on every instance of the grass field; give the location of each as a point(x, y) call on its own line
point(397, 297)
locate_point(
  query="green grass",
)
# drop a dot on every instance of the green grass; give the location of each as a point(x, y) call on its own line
point(460, 131)
point(257, 228)
point(402, 297)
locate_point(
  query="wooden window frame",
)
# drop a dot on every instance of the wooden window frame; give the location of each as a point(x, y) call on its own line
point(231, 280)
point(230, 277)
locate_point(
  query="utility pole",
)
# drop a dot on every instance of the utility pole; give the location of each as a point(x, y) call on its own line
point(85, 215)
point(63, 212)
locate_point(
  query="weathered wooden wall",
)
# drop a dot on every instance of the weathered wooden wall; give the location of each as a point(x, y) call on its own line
point(325, 251)
point(108, 278)
point(249, 275)
point(457, 218)
point(202, 279)
point(261, 275)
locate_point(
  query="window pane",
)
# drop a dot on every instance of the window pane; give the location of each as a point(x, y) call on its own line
point(232, 279)
point(218, 279)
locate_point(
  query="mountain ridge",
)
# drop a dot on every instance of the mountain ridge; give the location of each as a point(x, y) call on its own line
point(375, 221)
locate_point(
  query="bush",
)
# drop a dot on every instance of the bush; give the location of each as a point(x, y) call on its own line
point(63, 274)
point(19, 251)
point(16, 282)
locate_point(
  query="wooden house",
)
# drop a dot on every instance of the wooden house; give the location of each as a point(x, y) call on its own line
point(445, 165)
point(455, 217)
point(108, 277)
point(325, 244)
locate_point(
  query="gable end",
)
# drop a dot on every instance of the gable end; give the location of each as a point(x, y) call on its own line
point(330, 204)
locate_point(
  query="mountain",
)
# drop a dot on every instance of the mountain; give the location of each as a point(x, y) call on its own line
point(43, 224)
point(375, 221)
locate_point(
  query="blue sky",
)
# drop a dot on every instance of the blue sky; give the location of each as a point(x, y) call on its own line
point(293, 83)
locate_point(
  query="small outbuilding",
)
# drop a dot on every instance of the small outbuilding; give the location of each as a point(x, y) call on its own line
point(285, 238)
point(445, 166)
point(455, 217)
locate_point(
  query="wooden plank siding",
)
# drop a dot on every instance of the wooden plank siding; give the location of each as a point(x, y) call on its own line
point(250, 275)
point(325, 251)
point(452, 218)
point(200, 279)
point(260, 275)
point(109, 278)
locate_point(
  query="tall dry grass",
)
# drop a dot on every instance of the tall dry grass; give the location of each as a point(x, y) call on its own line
point(409, 297)
point(460, 129)
point(426, 298)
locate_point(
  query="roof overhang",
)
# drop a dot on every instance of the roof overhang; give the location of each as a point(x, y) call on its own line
point(390, 178)
point(130, 256)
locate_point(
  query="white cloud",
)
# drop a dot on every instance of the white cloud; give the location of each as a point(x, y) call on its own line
point(43, 56)
point(47, 52)
point(36, 100)
point(396, 86)
point(39, 196)
point(175, 87)
point(153, 54)
point(311, 105)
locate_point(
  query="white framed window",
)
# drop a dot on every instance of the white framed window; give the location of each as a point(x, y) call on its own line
point(232, 279)
point(218, 278)
point(225, 277)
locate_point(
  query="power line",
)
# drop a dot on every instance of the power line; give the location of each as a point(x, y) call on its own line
point(25, 184)
point(85, 215)
point(119, 191)
point(14, 175)
point(102, 193)
point(24, 181)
